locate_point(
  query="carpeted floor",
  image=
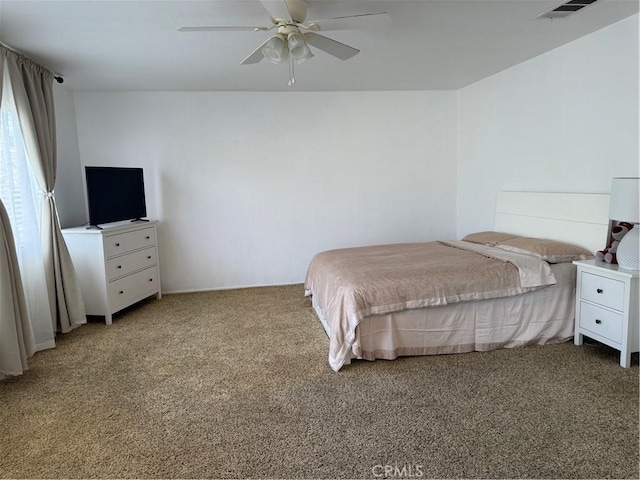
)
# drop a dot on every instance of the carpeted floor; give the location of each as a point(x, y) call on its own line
point(235, 384)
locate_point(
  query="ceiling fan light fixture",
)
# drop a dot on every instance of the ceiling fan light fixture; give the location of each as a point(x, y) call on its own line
point(298, 49)
point(275, 51)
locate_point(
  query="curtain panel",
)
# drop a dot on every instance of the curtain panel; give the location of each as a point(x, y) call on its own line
point(16, 336)
point(32, 89)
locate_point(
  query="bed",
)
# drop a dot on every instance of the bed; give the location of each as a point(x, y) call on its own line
point(507, 287)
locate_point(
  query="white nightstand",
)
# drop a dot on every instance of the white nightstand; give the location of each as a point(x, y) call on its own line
point(607, 307)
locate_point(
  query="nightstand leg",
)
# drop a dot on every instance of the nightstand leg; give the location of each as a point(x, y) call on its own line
point(108, 318)
point(625, 358)
point(577, 339)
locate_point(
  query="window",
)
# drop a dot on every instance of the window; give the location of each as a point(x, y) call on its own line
point(16, 189)
point(20, 196)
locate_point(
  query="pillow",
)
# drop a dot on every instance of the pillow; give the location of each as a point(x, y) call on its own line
point(551, 251)
point(488, 238)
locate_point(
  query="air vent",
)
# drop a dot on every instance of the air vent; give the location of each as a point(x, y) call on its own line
point(567, 8)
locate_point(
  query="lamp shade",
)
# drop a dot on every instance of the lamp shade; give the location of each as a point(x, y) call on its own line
point(274, 50)
point(624, 206)
point(624, 202)
point(298, 49)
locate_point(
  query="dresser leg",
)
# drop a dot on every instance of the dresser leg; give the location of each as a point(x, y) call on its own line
point(625, 358)
point(108, 319)
point(577, 339)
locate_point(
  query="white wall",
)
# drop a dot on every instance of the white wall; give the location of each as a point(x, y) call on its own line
point(566, 121)
point(69, 186)
point(249, 186)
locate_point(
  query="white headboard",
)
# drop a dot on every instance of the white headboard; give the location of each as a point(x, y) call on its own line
point(577, 218)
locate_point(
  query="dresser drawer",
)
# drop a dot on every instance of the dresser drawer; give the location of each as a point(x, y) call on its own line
point(126, 242)
point(134, 287)
point(131, 262)
point(598, 320)
point(603, 291)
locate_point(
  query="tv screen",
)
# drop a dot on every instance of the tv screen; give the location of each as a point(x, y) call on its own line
point(115, 194)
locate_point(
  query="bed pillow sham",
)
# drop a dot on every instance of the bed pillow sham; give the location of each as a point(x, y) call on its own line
point(551, 251)
point(488, 238)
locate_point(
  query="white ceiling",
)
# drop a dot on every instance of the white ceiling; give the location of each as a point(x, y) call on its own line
point(134, 45)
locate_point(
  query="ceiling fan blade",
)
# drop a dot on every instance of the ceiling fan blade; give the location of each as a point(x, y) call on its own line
point(256, 56)
point(228, 28)
point(349, 22)
point(295, 10)
point(332, 47)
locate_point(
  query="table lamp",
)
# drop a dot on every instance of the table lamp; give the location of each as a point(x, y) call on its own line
point(624, 207)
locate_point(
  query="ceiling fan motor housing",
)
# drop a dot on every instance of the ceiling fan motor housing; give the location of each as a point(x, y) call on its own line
point(287, 29)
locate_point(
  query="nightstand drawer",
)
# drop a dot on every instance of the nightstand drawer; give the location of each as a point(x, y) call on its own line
point(603, 322)
point(603, 291)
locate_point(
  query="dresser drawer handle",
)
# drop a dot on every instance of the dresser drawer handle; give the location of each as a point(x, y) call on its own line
point(121, 292)
point(148, 257)
point(148, 237)
point(117, 244)
point(119, 267)
point(151, 279)
point(598, 321)
point(599, 290)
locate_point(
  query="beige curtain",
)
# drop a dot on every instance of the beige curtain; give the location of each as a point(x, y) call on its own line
point(32, 88)
point(16, 337)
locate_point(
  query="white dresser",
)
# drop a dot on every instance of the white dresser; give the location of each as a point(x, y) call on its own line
point(116, 266)
point(607, 307)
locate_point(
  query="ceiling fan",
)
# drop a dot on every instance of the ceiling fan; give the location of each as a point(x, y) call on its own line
point(294, 34)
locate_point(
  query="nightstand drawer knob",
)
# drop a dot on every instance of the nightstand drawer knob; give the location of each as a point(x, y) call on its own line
point(599, 290)
point(598, 321)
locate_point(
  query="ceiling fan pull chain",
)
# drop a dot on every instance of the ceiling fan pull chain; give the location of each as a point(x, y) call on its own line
point(292, 78)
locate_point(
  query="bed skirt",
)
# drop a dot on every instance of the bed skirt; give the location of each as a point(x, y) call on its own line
point(540, 317)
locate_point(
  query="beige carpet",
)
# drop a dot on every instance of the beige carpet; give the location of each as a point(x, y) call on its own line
point(236, 384)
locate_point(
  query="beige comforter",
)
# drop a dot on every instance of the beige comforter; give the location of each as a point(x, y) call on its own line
point(350, 284)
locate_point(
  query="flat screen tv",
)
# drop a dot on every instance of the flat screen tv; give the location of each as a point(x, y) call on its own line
point(115, 194)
